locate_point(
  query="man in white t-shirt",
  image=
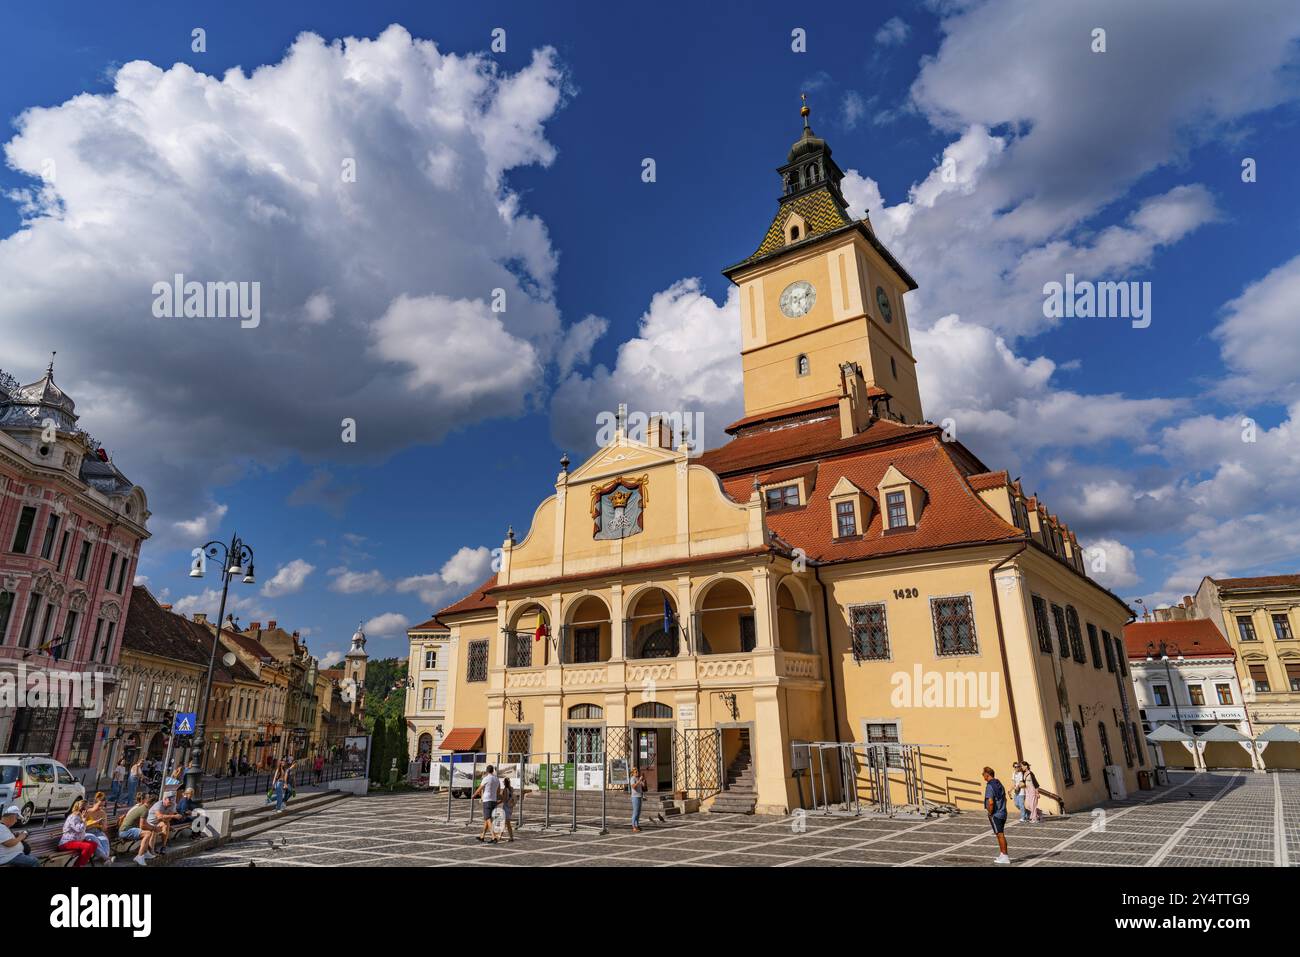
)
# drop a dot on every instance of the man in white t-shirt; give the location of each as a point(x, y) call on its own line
point(489, 788)
point(11, 841)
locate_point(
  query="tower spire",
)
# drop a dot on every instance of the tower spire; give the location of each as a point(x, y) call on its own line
point(49, 370)
point(804, 111)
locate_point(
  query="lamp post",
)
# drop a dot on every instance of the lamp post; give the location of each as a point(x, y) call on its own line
point(236, 560)
point(1163, 653)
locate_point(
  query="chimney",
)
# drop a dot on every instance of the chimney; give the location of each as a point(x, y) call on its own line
point(166, 607)
point(855, 410)
point(1187, 601)
point(200, 618)
point(255, 626)
point(270, 625)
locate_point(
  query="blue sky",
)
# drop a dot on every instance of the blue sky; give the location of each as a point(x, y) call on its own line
point(522, 169)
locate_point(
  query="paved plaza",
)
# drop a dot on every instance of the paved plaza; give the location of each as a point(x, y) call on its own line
point(1214, 818)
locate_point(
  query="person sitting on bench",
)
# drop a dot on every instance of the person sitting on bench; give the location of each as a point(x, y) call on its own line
point(11, 841)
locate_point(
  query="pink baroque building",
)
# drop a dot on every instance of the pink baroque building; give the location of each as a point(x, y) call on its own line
point(71, 526)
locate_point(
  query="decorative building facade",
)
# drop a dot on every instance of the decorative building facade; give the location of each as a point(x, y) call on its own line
point(426, 690)
point(71, 525)
point(836, 572)
point(1185, 675)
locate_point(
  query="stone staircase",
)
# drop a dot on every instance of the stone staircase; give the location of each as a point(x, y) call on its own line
point(739, 796)
point(249, 822)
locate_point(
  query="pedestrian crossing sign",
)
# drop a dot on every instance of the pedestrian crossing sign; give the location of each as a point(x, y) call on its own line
point(184, 722)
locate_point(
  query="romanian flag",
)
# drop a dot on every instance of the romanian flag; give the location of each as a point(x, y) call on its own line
point(541, 630)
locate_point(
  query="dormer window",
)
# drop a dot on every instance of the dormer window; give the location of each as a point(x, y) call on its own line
point(782, 496)
point(850, 510)
point(801, 367)
point(902, 500)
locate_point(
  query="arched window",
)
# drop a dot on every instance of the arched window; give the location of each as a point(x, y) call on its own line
point(654, 642)
point(1084, 773)
point(1105, 744)
point(801, 366)
point(1067, 773)
point(794, 233)
point(586, 712)
point(652, 709)
point(426, 744)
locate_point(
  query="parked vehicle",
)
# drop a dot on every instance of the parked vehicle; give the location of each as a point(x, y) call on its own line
point(37, 783)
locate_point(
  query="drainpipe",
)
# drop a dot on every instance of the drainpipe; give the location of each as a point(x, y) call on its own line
point(1002, 648)
point(830, 657)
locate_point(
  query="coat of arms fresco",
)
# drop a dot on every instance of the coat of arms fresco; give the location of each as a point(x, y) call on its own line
point(618, 508)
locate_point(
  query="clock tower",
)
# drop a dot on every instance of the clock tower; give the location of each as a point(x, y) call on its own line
point(821, 300)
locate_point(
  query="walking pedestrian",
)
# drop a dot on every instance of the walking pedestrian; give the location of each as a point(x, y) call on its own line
point(508, 798)
point(1032, 814)
point(74, 840)
point(318, 766)
point(489, 789)
point(637, 787)
point(279, 787)
point(995, 803)
point(11, 841)
point(1018, 788)
point(133, 780)
point(119, 781)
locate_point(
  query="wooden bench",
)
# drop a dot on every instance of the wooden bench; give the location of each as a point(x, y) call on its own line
point(44, 845)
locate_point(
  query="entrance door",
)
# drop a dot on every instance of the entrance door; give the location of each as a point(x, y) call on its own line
point(664, 754)
point(647, 756)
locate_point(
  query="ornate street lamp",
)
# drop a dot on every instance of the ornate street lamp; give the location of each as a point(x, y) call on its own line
point(236, 562)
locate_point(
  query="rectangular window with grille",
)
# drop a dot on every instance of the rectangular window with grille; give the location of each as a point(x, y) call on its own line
point(1076, 637)
point(886, 733)
point(1094, 645)
point(519, 743)
point(1062, 638)
point(476, 661)
point(846, 521)
point(1121, 658)
point(1043, 629)
point(870, 632)
point(954, 625)
point(521, 649)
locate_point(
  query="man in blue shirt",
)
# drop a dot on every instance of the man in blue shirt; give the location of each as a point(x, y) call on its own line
point(995, 802)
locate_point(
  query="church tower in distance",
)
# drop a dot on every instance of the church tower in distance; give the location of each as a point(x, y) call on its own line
point(821, 301)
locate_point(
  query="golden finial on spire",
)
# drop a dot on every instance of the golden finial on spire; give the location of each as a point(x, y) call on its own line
point(803, 110)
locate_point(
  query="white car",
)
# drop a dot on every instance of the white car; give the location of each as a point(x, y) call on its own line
point(37, 784)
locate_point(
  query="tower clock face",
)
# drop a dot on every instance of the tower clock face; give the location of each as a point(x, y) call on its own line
point(797, 299)
point(883, 302)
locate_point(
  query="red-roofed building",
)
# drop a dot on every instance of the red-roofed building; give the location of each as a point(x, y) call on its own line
point(426, 694)
point(1184, 675)
point(839, 571)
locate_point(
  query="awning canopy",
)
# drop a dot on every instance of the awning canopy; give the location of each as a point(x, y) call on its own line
point(1280, 733)
point(1223, 732)
point(462, 739)
point(1167, 732)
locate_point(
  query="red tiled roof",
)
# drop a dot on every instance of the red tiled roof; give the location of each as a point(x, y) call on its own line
point(988, 480)
point(1263, 581)
point(1195, 638)
point(476, 600)
point(251, 645)
point(802, 441)
point(433, 624)
point(772, 415)
point(952, 515)
point(462, 739)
